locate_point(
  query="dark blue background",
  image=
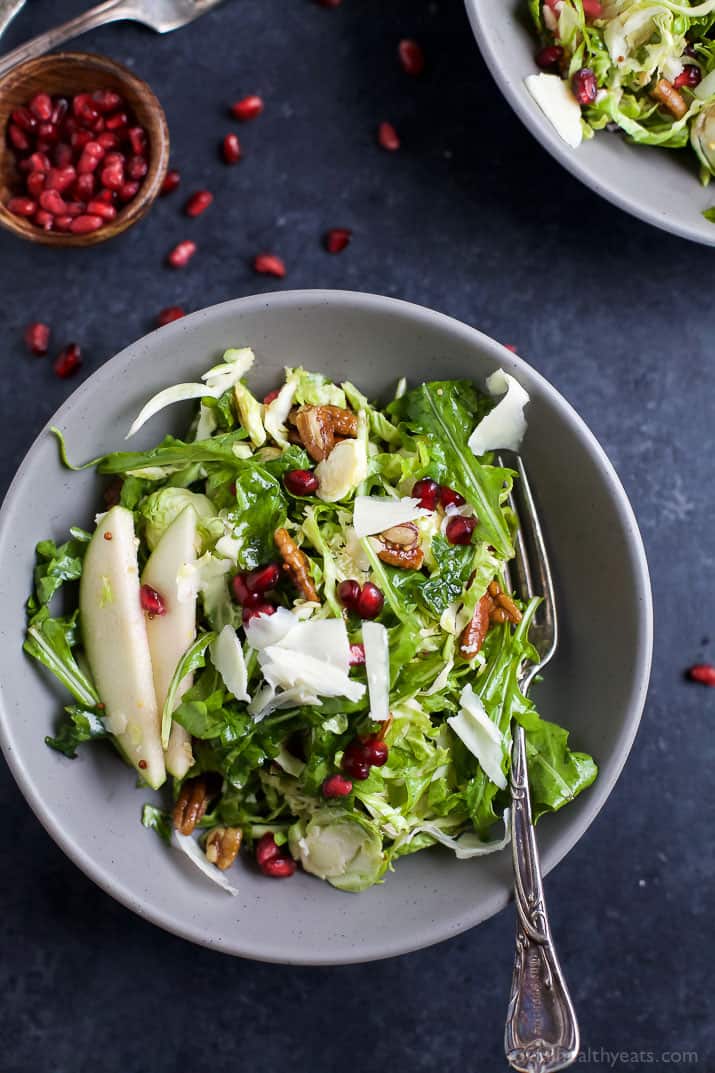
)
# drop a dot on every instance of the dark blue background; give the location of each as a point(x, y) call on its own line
point(473, 218)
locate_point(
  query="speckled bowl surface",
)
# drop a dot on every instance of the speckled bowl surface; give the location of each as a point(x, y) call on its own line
point(660, 186)
point(595, 686)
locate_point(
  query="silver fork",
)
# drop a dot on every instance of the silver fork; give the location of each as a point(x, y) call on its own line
point(159, 15)
point(541, 1032)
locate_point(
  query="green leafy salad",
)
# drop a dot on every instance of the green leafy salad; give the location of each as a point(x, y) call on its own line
point(646, 68)
point(297, 613)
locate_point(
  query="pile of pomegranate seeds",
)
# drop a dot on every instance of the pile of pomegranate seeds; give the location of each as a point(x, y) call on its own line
point(273, 860)
point(365, 601)
point(362, 754)
point(80, 160)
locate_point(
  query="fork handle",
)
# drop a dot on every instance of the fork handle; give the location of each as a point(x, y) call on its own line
point(109, 11)
point(541, 1032)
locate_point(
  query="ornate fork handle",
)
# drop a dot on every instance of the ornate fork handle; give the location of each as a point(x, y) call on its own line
point(541, 1030)
point(109, 11)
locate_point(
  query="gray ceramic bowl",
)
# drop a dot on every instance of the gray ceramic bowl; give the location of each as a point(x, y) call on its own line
point(91, 806)
point(658, 185)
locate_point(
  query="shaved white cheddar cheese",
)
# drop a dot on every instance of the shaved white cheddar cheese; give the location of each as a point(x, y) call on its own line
point(377, 668)
point(375, 514)
point(480, 735)
point(504, 427)
point(285, 669)
point(557, 102)
point(186, 844)
point(227, 658)
point(325, 639)
point(264, 630)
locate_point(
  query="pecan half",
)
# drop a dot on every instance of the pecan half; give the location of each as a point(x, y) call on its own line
point(295, 562)
point(316, 430)
point(193, 801)
point(345, 422)
point(405, 558)
point(668, 96)
point(222, 846)
point(476, 630)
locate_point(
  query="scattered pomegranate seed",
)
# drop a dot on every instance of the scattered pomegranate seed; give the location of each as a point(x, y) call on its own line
point(241, 593)
point(231, 149)
point(182, 254)
point(510, 346)
point(387, 137)
point(198, 203)
point(357, 654)
point(171, 181)
point(549, 57)
point(170, 313)
point(67, 361)
point(268, 264)
point(37, 338)
point(266, 849)
point(22, 206)
point(703, 673)
point(370, 601)
point(41, 106)
point(427, 492)
point(270, 397)
point(151, 601)
point(279, 867)
point(355, 762)
point(263, 578)
point(448, 497)
point(349, 594)
point(459, 529)
point(377, 751)
point(300, 482)
point(247, 108)
point(85, 224)
point(584, 86)
point(337, 239)
point(592, 9)
point(411, 57)
point(337, 786)
point(250, 613)
point(690, 77)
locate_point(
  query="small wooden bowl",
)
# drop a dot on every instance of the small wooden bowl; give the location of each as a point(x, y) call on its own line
point(65, 74)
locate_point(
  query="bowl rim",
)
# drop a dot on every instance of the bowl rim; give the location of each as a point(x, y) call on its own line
point(541, 129)
point(598, 793)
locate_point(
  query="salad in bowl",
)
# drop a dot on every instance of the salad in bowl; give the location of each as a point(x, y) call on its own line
point(296, 617)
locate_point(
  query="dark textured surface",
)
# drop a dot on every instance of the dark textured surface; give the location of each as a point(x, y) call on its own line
point(472, 218)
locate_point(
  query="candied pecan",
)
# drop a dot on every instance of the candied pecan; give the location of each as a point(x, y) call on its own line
point(295, 562)
point(669, 97)
point(476, 630)
point(222, 846)
point(315, 429)
point(193, 801)
point(405, 558)
point(344, 422)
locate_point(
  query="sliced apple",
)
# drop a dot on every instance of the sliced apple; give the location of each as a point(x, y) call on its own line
point(115, 640)
point(171, 634)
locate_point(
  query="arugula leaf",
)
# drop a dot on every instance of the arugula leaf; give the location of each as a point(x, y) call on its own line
point(192, 659)
point(260, 509)
point(172, 452)
point(55, 565)
point(556, 774)
point(83, 724)
point(446, 583)
point(50, 641)
point(709, 215)
point(156, 819)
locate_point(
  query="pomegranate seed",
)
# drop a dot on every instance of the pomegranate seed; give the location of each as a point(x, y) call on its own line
point(448, 497)
point(59, 110)
point(241, 594)
point(61, 178)
point(85, 224)
point(47, 132)
point(170, 313)
point(67, 361)
point(53, 202)
point(690, 76)
point(198, 203)
point(101, 208)
point(459, 529)
point(108, 140)
point(703, 673)
point(263, 578)
point(337, 786)
point(268, 399)
point(549, 57)
point(592, 9)
point(584, 86)
point(266, 849)
point(22, 206)
point(427, 492)
point(75, 208)
point(18, 137)
point(137, 167)
point(231, 149)
point(250, 613)
point(182, 254)
point(37, 338)
point(137, 140)
point(127, 191)
point(279, 867)
point(112, 177)
point(63, 223)
point(80, 138)
point(62, 155)
point(151, 601)
point(41, 106)
point(117, 122)
point(411, 57)
point(247, 108)
point(106, 100)
point(35, 183)
point(388, 137)
point(357, 654)
point(377, 751)
point(300, 482)
point(45, 220)
point(267, 264)
point(337, 239)
point(370, 601)
point(39, 162)
point(171, 181)
point(90, 159)
point(24, 119)
point(349, 594)
point(83, 188)
point(355, 760)
point(107, 197)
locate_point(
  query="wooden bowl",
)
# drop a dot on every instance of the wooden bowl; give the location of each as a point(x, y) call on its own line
point(65, 74)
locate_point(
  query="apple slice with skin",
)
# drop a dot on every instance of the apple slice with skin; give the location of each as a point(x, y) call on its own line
point(171, 634)
point(115, 640)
